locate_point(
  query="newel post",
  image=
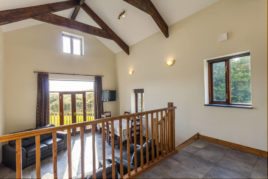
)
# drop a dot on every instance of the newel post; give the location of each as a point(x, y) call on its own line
point(172, 124)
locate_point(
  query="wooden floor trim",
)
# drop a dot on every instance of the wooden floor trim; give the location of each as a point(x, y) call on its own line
point(188, 142)
point(235, 146)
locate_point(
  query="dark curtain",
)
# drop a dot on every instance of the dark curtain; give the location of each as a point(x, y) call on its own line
point(42, 107)
point(98, 97)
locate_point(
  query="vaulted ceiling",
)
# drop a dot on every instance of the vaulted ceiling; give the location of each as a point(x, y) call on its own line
point(137, 25)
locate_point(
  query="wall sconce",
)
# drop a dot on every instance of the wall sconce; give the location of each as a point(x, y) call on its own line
point(170, 62)
point(131, 71)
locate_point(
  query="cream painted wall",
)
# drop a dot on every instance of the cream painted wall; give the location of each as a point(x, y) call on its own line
point(39, 48)
point(191, 41)
point(1, 89)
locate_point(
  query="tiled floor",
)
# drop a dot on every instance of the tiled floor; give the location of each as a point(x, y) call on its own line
point(205, 160)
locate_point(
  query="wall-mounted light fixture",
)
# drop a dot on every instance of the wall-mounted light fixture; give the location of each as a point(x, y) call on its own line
point(131, 71)
point(122, 15)
point(170, 62)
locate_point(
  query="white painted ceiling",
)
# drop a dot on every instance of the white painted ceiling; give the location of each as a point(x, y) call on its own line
point(132, 29)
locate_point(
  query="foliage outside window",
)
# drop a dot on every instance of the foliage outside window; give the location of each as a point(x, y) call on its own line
point(230, 80)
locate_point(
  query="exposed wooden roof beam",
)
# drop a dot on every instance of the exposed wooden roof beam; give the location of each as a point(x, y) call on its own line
point(14, 15)
point(77, 9)
point(105, 27)
point(65, 22)
point(148, 7)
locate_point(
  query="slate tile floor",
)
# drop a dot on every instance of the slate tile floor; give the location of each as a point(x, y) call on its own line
point(206, 160)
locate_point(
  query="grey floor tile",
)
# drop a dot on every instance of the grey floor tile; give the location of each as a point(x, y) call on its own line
point(221, 173)
point(211, 153)
point(191, 149)
point(241, 156)
point(260, 169)
point(243, 168)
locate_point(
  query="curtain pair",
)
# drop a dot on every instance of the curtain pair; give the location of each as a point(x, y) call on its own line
point(42, 107)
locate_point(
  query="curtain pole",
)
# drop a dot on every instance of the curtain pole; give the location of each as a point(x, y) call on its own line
point(54, 73)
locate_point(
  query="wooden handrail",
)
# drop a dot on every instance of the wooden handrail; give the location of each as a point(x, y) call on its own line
point(159, 125)
point(32, 133)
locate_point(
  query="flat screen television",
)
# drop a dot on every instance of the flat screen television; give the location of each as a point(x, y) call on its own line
point(108, 95)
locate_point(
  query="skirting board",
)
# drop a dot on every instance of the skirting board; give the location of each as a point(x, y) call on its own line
point(235, 146)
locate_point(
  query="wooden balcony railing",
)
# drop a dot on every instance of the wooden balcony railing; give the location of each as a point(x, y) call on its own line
point(158, 125)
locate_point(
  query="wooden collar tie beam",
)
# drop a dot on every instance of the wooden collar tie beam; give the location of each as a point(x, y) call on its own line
point(44, 13)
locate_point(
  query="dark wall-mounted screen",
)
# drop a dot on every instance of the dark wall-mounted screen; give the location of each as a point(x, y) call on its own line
point(108, 95)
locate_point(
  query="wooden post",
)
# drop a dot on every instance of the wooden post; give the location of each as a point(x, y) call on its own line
point(37, 157)
point(93, 150)
point(147, 138)
point(161, 133)
point(82, 139)
point(113, 155)
point(121, 148)
point(156, 134)
point(103, 152)
point(135, 143)
point(69, 152)
point(55, 154)
point(152, 130)
point(172, 124)
point(18, 159)
point(128, 147)
point(141, 141)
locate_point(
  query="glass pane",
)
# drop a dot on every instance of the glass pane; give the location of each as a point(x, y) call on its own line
point(219, 82)
point(90, 105)
point(67, 109)
point(76, 46)
point(240, 80)
point(54, 109)
point(140, 102)
point(79, 108)
point(66, 41)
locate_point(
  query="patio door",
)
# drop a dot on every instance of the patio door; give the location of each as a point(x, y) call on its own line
point(72, 107)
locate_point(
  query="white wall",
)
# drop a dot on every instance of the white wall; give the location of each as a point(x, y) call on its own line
point(39, 48)
point(191, 41)
point(1, 89)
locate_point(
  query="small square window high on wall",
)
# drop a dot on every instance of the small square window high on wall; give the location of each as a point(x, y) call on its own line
point(72, 44)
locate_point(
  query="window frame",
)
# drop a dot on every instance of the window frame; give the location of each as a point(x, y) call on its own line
point(225, 59)
point(73, 36)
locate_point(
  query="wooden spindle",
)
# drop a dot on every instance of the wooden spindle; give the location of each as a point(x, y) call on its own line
point(103, 152)
point(161, 133)
point(82, 139)
point(128, 147)
point(93, 150)
point(121, 148)
point(147, 138)
point(135, 142)
point(113, 155)
point(141, 141)
point(37, 157)
point(156, 134)
point(55, 154)
point(18, 159)
point(152, 130)
point(69, 152)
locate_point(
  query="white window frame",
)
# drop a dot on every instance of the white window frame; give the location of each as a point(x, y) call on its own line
point(73, 36)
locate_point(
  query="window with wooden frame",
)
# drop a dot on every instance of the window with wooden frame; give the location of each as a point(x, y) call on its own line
point(139, 100)
point(72, 44)
point(230, 80)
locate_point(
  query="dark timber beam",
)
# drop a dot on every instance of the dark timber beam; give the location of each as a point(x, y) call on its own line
point(148, 7)
point(65, 22)
point(14, 15)
point(105, 27)
point(77, 9)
